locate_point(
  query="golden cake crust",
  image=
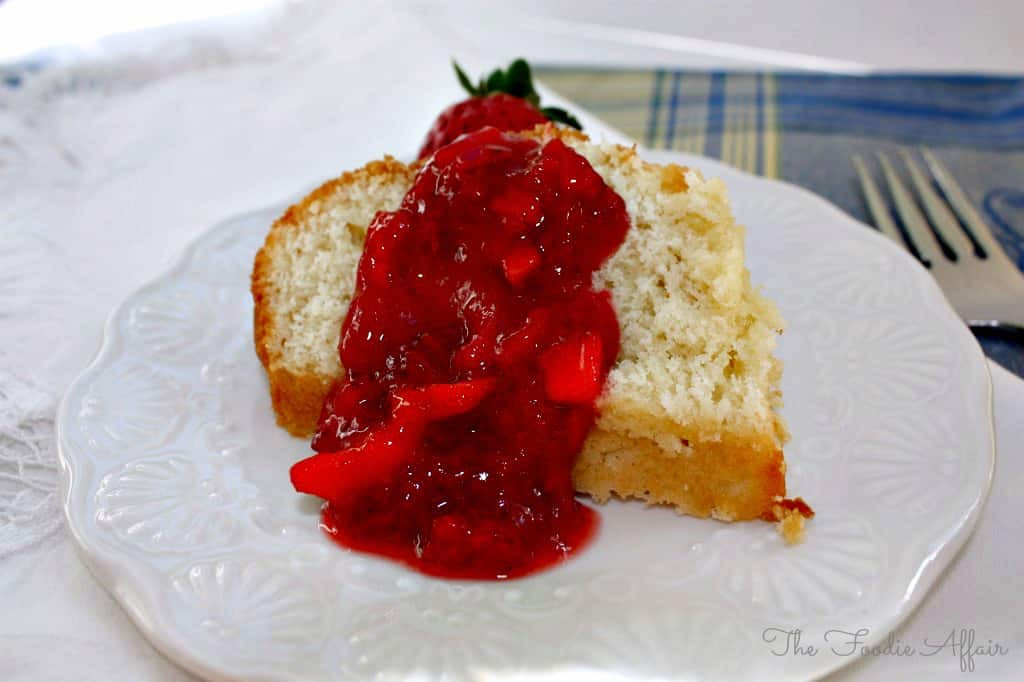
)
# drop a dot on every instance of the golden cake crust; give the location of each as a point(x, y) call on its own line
point(728, 482)
point(297, 396)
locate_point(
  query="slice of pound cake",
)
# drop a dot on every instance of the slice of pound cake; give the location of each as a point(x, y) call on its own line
point(689, 414)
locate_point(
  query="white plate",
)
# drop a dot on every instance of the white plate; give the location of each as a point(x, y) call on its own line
point(176, 489)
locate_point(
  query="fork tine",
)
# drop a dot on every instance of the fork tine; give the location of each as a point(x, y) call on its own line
point(876, 204)
point(952, 241)
point(918, 234)
point(979, 234)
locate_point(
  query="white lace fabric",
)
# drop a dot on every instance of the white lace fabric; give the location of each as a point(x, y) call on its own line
point(77, 141)
point(29, 506)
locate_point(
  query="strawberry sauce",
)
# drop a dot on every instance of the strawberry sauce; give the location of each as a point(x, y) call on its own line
point(475, 347)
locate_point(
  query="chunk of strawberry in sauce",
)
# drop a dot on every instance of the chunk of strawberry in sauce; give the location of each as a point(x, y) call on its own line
point(572, 369)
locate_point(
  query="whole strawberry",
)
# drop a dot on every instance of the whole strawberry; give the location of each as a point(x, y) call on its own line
point(506, 100)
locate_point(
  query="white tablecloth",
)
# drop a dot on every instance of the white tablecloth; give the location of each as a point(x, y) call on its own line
point(111, 165)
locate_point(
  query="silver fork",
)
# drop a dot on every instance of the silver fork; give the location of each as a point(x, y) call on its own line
point(953, 241)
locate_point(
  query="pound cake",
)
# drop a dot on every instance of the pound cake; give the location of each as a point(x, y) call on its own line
point(689, 414)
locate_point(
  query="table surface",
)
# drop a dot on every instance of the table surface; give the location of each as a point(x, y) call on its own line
point(70, 152)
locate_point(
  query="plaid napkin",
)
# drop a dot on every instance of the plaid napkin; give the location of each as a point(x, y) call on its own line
point(805, 128)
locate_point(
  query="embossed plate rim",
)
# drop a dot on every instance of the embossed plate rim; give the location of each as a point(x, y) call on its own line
point(124, 580)
point(129, 580)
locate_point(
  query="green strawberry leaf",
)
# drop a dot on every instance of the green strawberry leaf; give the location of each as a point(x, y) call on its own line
point(464, 80)
point(495, 82)
point(516, 80)
point(559, 115)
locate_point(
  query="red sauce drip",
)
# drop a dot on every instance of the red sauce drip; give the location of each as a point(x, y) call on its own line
point(475, 346)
